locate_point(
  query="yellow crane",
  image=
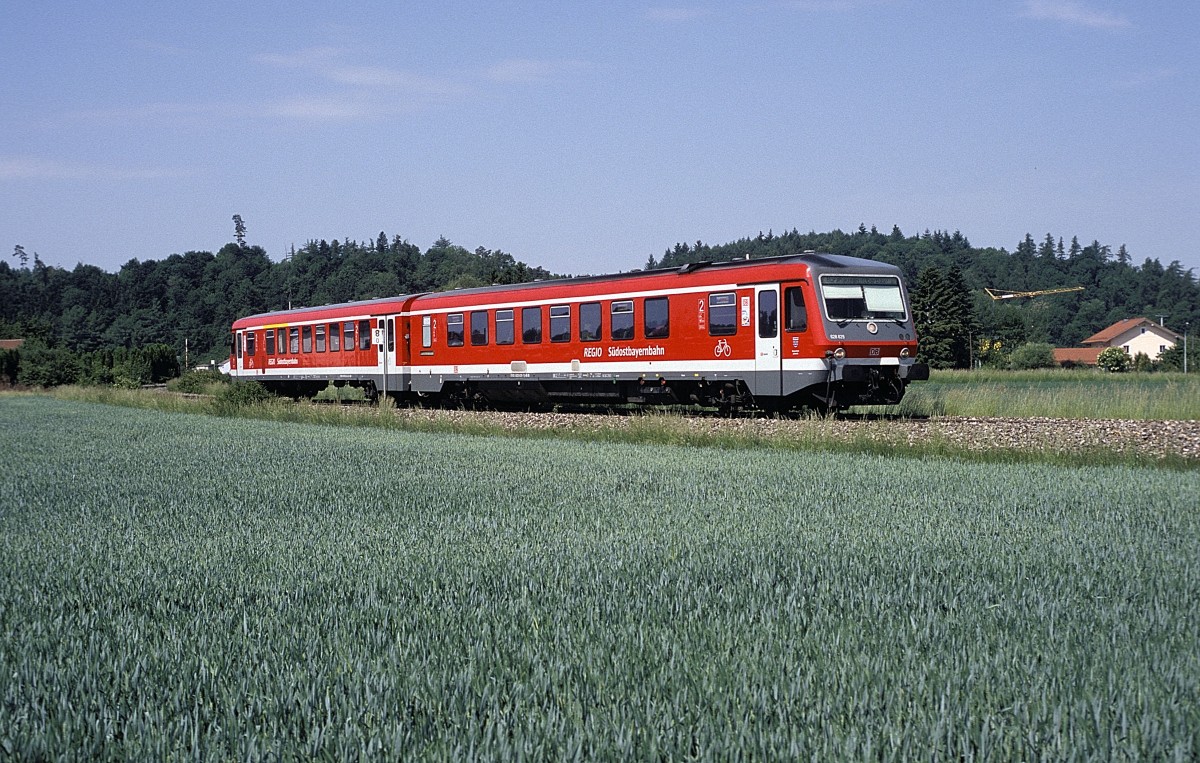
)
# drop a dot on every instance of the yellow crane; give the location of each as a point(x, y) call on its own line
point(999, 294)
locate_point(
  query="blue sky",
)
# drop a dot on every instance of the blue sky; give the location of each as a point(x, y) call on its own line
point(585, 136)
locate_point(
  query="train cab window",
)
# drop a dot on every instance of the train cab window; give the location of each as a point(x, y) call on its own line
point(335, 337)
point(560, 323)
point(250, 342)
point(426, 330)
point(479, 327)
point(504, 327)
point(364, 335)
point(307, 337)
point(722, 314)
point(768, 314)
point(621, 320)
point(454, 329)
point(656, 320)
point(531, 325)
point(270, 341)
point(589, 322)
point(320, 332)
point(795, 314)
point(293, 341)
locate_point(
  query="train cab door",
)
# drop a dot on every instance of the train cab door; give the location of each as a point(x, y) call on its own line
point(768, 361)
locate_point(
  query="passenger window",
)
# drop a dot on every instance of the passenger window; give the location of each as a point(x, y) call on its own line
point(320, 338)
point(722, 314)
point(531, 325)
point(795, 314)
point(270, 341)
point(560, 323)
point(589, 322)
point(335, 337)
point(249, 342)
point(479, 327)
point(768, 314)
point(621, 320)
point(656, 321)
point(307, 337)
point(391, 334)
point(293, 341)
point(504, 327)
point(364, 335)
point(426, 330)
point(454, 329)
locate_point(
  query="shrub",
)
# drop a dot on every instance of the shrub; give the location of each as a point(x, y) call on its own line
point(198, 382)
point(242, 393)
point(1114, 360)
point(1032, 355)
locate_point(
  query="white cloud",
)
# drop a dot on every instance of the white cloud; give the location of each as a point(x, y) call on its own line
point(1073, 12)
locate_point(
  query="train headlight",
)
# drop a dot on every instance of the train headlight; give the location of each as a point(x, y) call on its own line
point(904, 352)
point(839, 353)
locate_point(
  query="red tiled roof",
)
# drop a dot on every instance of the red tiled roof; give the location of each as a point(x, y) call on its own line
point(11, 344)
point(1078, 355)
point(1106, 336)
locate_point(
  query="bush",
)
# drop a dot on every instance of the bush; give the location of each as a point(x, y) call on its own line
point(198, 382)
point(1032, 355)
point(1114, 360)
point(242, 393)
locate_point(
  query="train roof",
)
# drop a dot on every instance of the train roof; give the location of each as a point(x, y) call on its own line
point(819, 262)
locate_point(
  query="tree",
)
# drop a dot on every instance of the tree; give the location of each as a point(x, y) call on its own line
point(20, 254)
point(239, 230)
point(945, 318)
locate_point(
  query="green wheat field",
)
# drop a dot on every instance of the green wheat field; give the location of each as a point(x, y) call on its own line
point(181, 586)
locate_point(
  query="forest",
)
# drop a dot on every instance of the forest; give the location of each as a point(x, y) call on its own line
point(192, 298)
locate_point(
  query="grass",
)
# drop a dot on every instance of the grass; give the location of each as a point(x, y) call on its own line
point(811, 433)
point(1075, 394)
point(223, 588)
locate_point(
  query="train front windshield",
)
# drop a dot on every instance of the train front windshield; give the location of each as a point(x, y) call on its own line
point(863, 298)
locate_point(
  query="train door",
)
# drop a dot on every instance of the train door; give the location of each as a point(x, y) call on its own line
point(768, 363)
point(239, 338)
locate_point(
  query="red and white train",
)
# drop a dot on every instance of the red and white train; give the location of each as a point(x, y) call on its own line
point(809, 330)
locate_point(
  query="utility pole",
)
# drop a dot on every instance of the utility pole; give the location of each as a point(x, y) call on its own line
point(1185, 333)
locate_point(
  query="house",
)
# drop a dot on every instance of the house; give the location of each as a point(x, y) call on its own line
point(11, 344)
point(1133, 335)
